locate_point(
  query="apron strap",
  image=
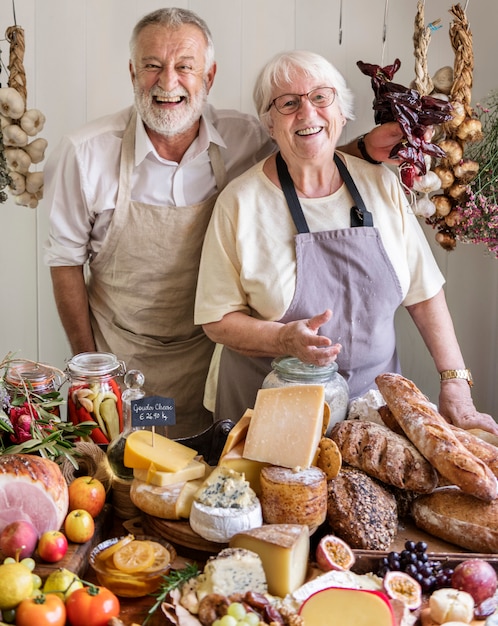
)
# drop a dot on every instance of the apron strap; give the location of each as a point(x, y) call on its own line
point(291, 195)
point(359, 214)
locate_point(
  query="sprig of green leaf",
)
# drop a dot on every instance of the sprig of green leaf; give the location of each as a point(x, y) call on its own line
point(175, 579)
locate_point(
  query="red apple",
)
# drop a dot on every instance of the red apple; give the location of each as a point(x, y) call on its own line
point(19, 538)
point(79, 526)
point(52, 546)
point(88, 493)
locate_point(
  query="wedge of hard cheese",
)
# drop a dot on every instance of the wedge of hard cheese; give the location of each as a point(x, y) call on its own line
point(144, 447)
point(238, 433)
point(153, 476)
point(251, 469)
point(284, 551)
point(286, 426)
point(347, 607)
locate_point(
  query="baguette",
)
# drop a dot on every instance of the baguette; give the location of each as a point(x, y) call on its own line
point(434, 438)
point(458, 518)
point(481, 448)
point(384, 455)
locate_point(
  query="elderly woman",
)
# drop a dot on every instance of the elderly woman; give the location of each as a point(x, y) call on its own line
point(311, 252)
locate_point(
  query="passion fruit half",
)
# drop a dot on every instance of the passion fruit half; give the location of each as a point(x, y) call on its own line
point(333, 553)
point(401, 586)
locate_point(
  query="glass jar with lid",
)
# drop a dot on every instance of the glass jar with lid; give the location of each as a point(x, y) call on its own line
point(134, 381)
point(24, 377)
point(95, 393)
point(287, 371)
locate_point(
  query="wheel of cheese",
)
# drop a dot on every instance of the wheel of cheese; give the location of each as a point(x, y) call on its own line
point(221, 524)
point(293, 497)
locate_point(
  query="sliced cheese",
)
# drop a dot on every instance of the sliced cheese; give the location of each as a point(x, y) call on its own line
point(195, 469)
point(284, 551)
point(219, 524)
point(144, 447)
point(186, 497)
point(286, 426)
point(347, 606)
point(251, 469)
point(238, 433)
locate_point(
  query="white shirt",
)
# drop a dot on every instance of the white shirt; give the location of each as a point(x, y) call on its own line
point(82, 174)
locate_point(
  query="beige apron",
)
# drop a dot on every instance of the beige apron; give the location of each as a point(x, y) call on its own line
point(142, 289)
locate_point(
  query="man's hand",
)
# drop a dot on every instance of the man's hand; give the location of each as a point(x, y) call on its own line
point(381, 140)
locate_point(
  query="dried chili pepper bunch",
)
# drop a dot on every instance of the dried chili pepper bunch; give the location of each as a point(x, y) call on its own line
point(394, 102)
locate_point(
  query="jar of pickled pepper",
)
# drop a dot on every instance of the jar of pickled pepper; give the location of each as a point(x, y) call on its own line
point(94, 393)
point(36, 379)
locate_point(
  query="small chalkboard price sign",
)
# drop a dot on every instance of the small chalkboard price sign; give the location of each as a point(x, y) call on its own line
point(153, 411)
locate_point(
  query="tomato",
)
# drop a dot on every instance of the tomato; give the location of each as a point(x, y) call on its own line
point(43, 610)
point(91, 606)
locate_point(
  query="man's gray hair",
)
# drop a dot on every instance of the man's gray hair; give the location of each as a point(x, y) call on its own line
point(173, 17)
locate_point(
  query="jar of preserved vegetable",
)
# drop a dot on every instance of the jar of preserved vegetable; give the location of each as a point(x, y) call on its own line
point(94, 393)
point(37, 380)
point(287, 371)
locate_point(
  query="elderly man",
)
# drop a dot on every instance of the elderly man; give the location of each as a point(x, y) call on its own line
point(131, 195)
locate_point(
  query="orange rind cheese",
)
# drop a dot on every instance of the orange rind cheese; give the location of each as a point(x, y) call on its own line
point(347, 606)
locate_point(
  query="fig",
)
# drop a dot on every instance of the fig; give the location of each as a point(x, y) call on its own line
point(477, 577)
point(485, 609)
point(401, 586)
point(333, 553)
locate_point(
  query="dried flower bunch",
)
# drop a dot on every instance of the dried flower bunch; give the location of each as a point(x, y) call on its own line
point(30, 421)
point(474, 215)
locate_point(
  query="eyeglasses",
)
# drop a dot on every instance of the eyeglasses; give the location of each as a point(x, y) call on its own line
point(291, 102)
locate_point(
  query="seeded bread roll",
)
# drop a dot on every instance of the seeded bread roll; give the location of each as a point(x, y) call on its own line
point(433, 437)
point(384, 455)
point(361, 511)
point(459, 518)
point(293, 497)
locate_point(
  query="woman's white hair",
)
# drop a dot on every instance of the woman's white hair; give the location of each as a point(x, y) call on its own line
point(284, 67)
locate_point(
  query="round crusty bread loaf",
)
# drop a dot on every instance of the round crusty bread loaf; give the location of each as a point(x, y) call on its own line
point(459, 518)
point(361, 511)
point(385, 455)
point(293, 497)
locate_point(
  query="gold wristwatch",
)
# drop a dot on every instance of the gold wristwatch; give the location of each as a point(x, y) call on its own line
point(450, 374)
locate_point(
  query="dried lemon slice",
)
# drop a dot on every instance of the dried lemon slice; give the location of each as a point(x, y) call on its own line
point(108, 552)
point(162, 557)
point(134, 557)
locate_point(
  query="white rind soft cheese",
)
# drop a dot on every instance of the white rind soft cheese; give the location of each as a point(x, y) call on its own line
point(219, 524)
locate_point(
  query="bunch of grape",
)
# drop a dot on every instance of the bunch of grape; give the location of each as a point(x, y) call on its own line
point(415, 561)
point(237, 615)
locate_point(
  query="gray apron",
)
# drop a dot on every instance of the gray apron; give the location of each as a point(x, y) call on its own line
point(142, 289)
point(346, 270)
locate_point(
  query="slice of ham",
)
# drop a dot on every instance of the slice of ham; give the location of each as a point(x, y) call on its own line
point(32, 488)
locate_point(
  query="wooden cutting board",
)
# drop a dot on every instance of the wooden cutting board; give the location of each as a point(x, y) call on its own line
point(76, 558)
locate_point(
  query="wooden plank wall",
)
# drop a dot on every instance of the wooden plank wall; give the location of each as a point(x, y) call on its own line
point(77, 69)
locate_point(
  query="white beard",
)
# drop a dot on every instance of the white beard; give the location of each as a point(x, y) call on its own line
point(171, 122)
